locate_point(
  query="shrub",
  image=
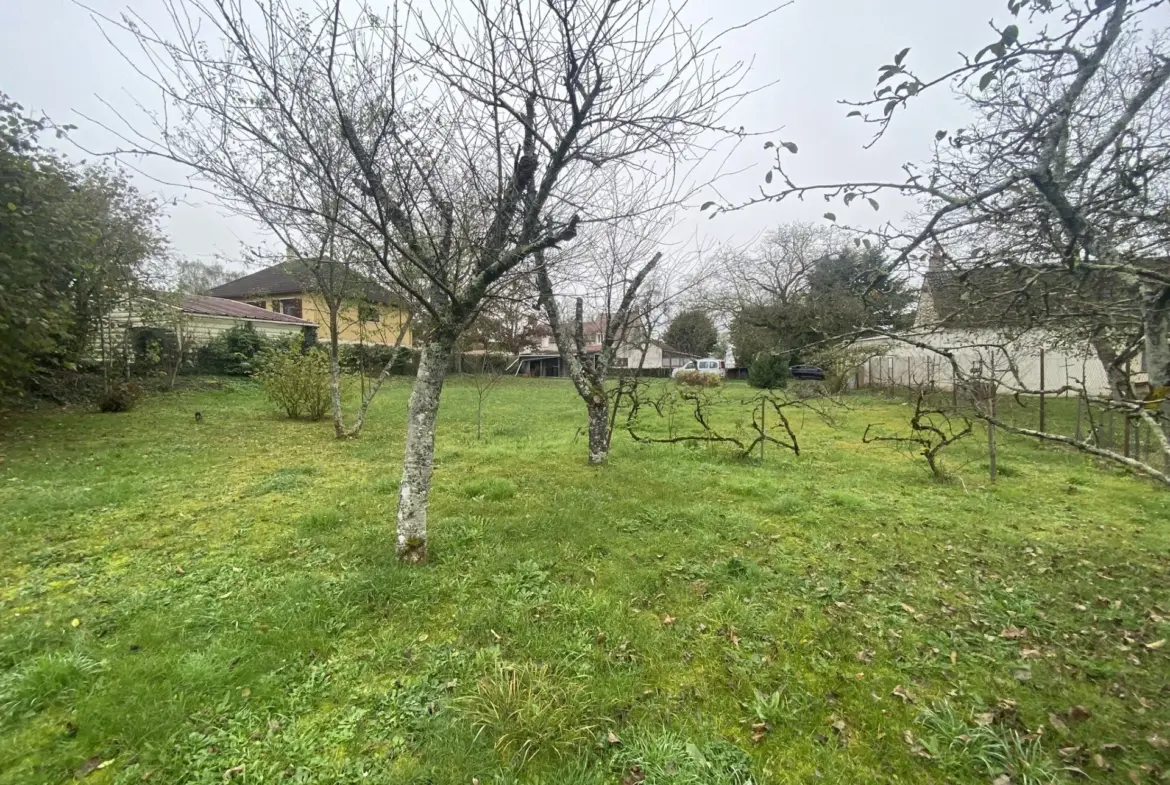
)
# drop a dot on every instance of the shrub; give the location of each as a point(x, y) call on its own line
point(120, 398)
point(372, 358)
point(698, 379)
point(297, 381)
point(234, 352)
point(154, 348)
point(768, 371)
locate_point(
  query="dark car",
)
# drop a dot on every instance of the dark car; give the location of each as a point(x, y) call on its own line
point(807, 373)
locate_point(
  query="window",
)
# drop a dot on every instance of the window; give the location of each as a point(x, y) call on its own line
point(707, 365)
point(689, 366)
point(289, 307)
point(620, 362)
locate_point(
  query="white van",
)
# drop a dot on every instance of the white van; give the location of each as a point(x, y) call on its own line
point(707, 365)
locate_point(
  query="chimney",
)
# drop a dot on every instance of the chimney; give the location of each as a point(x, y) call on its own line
point(937, 260)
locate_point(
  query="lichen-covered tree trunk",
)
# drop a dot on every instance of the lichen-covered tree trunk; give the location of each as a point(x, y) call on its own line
point(598, 407)
point(419, 460)
point(1156, 318)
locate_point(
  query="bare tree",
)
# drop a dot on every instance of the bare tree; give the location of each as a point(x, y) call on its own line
point(617, 288)
point(487, 371)
point(1050, 205)
point(468, 137)
point(932, 430)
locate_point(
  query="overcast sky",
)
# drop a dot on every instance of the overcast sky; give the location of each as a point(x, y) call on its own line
point(54, 60)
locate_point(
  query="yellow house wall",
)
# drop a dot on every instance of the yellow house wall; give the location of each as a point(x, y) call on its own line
point(351, 330)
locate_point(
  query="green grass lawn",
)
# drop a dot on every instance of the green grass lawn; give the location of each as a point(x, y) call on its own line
point(211, 603)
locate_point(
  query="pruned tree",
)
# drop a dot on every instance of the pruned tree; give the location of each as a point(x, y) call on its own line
point(610, 296)
point(469, 137)
point(770, 423)
point(932, 430)
point(589, 364)
point(1049, 206)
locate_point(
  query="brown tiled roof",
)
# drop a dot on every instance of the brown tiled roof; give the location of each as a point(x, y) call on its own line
point(1016, 296)
point(295, 278)
point(217, 306)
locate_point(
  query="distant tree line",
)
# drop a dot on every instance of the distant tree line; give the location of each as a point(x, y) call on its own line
point(805, 287)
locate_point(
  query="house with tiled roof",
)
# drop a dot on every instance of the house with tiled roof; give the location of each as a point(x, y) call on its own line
point(1026, 327)
point(370, 314)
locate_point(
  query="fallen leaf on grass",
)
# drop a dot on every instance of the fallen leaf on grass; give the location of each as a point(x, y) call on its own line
point(1002, 779)
point(633, 776)
point(1030, 654)
point(865, 655)
point(1022, 674)
point(1156, 644)
point(234, 771)
point(1078, 713)
point(1157, 742)
point(903, 693)
point(612, 739)
point(1013, 633)
point(1058, 724)
point(915, 747)
point(668, 620)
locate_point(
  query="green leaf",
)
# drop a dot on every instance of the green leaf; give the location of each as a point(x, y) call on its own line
point(1011, 34)
point(791, 147)
point(872, 203)
point(706, 205)
point(769, 145)
point(888, 74)
point(867, 243)
point(890, 107)
point(11, 206)
point(849, 197)
point(981, 52)
point(831, 216)
point(998, 49)
point(940, 135)
point(854, 113)
point(986, 80)
point(898, 58)
point(768, 177)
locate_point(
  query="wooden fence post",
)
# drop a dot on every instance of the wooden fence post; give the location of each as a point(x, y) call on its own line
point(1043, 397)
point(992, 447)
